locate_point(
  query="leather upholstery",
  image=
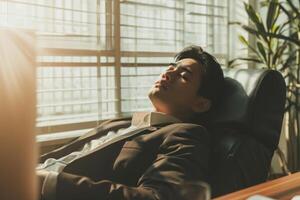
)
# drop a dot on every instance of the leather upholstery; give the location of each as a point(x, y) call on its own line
point(246, 128)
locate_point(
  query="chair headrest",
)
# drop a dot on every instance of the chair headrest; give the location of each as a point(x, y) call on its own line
point(252, 101)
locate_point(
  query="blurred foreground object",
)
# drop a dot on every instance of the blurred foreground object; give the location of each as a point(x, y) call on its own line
point(17, 115)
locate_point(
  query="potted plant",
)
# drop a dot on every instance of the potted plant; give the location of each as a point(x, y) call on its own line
point(277, 47)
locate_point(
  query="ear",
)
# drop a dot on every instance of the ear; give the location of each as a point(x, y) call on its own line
point(201, 104)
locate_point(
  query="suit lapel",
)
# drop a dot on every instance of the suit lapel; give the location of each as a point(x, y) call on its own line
point(102, 129)
point(118, 139)
point(126, 136)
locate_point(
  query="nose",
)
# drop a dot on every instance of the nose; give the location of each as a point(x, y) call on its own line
point(167, 75)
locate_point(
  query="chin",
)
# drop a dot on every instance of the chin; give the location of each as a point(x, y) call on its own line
point(155, 95)
point(158, 102)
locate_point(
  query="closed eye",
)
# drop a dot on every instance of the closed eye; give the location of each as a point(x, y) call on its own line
point(184, 75)
point(171, 67)
point(173, 64)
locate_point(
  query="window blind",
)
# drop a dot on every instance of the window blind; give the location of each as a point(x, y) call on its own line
point(153, 31)
point(97, 59)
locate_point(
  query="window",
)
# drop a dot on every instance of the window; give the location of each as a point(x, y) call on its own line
point(98, 58)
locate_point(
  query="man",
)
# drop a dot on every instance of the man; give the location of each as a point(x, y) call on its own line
point(150, 156)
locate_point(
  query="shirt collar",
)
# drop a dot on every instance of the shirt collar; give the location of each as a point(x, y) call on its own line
point(145, 119)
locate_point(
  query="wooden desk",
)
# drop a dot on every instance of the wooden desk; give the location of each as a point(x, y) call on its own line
point(282, 188)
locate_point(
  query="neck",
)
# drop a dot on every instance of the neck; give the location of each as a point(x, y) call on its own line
point(179, 115)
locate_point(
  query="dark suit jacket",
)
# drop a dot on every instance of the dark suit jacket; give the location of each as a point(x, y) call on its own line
point(148, 164)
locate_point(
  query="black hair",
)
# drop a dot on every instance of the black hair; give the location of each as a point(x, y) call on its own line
point(212, 77)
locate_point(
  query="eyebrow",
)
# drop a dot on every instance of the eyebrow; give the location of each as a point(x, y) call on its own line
point(177, 64)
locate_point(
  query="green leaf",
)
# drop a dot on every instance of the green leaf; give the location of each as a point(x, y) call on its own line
point(261, 50)
point(288, 62)
point(277, 12)
point(282, 8)
point(273, 35)
point(246, 43)
point(279, 52)
point(251, 30)
point(264, 3)
point(273, 45)
point(234, 23)
point(255, 18)
point(251, 59)
point(243, 40)
point(275, 28)
point(272, 14)
point(232, 63)
point(295, 9)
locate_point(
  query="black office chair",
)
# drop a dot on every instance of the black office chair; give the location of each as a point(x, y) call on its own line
point(246, 128)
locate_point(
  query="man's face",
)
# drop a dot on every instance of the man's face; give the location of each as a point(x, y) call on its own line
point(175, 92)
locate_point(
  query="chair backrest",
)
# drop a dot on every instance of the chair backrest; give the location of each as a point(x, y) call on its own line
point(246, 128)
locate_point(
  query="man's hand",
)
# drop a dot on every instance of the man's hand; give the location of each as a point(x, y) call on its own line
point(41, 175)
